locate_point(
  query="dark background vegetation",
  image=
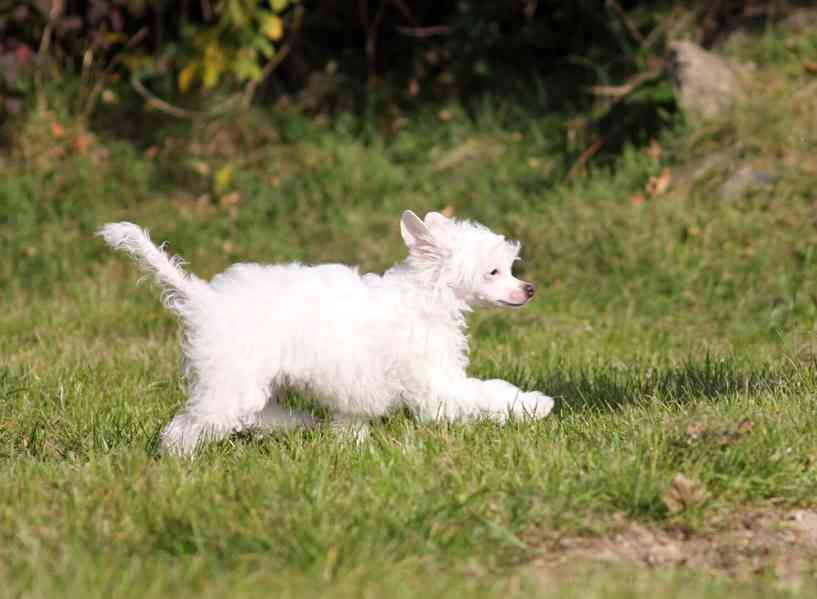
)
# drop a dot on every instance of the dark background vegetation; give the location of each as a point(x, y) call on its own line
point(386, 56)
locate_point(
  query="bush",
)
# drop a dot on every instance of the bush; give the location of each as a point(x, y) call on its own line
point(189, 53)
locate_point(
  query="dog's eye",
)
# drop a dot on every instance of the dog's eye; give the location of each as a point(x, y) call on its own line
point(494, 272)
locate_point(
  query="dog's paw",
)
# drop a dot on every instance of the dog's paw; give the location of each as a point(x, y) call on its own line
point(534, 405)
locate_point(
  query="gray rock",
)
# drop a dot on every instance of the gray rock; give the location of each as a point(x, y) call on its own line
point(744, 180)
point(707, 85)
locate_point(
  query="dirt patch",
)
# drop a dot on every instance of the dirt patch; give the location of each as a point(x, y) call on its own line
point(758, 542)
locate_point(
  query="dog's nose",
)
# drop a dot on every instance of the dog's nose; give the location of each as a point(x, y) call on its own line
point(529, 290)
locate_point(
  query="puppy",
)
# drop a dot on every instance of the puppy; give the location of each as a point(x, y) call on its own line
point(362, 345)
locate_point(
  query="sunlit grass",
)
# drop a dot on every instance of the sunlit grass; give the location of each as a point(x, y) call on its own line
point(682, 309)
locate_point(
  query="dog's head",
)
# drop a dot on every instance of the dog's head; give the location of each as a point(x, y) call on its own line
point(474, 262)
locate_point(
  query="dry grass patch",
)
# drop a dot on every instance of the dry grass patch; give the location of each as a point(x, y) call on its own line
point(759, 542)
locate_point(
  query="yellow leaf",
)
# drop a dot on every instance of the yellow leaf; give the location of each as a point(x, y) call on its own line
point(222, 178)
point(212, 73)
point(272, 26)
point(278, 5)
point(186, 76)
point(213, 65)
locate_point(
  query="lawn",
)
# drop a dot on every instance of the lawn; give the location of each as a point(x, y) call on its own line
point(676, 328)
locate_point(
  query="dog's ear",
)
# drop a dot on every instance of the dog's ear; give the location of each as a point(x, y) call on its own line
point(418, 239)
point(413, 230)
point(434, 219)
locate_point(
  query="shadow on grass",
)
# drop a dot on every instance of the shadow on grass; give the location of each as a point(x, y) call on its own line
point(610, 388)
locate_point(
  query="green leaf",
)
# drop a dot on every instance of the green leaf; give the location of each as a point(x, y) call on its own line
point(279, 5)
point(246, 67)
point(236, 13)
point(263, 45)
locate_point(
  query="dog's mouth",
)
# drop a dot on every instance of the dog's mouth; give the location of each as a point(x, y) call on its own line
point(510, 304)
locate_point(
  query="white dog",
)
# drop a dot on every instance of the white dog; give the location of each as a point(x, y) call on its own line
point(361, 345)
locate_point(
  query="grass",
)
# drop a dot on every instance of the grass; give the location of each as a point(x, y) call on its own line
point(662, 325)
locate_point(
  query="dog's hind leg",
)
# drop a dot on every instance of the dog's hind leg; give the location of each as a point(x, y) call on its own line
point(218, 407)
point(187, 432)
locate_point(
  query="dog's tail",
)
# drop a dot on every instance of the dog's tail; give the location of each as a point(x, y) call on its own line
point(179, 288)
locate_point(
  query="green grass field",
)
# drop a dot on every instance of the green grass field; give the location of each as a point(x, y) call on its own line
point(677, 331)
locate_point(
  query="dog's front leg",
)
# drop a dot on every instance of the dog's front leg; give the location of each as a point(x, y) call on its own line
point(495, 399)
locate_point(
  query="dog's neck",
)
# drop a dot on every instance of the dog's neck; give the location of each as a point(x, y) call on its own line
point(427, 282)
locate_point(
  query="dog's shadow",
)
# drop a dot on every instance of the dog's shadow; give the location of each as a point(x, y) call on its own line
point(602, 389)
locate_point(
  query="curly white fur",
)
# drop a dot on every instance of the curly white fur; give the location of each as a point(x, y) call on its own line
point(362, 345)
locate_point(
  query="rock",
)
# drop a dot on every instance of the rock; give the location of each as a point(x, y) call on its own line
point(744, 180)
point(707, 85)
